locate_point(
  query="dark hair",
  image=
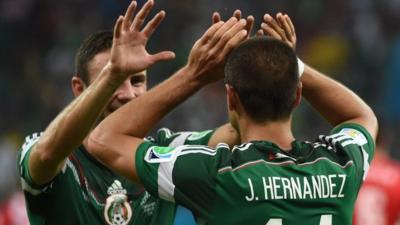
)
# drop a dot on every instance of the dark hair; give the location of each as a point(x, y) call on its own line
point(264, 73)
point(90, 47)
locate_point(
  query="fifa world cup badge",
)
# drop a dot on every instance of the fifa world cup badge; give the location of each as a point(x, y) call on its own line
point(117, 210)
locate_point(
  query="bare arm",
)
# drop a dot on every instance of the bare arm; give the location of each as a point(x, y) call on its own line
point(335, 102)
point(115, 140)
point(72, 125)
point(69, 128)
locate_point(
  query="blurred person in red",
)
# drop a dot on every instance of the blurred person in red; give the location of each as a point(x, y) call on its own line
point(378, 202)
point(12, 211)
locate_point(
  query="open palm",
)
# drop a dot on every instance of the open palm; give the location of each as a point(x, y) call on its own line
point(128, 52)
point(281, 28)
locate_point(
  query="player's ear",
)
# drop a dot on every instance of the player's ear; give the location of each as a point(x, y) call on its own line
point(231, 97)
point(298, 95)
point(77, 85)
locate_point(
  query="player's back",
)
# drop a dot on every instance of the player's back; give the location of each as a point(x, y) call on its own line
point(312, 184)
point(260, 184)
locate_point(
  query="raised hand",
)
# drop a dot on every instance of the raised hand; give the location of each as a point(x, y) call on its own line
point(280, 28)
point(128, 52)
point(216, 17)
point(207, 58)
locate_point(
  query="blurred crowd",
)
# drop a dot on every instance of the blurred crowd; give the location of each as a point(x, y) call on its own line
point(357, 42)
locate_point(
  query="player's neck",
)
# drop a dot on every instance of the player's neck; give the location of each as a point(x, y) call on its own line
point(279, 133)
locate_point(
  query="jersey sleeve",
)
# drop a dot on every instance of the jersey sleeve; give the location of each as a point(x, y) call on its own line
point(23, 166)
point(185, 174)
point(166, 137)
point(356, 141)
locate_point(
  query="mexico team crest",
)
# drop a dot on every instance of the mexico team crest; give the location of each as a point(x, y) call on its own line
point(117, 210)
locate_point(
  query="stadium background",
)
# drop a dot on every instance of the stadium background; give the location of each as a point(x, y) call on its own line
point(356, 41)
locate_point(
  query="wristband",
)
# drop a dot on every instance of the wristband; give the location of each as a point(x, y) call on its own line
point(300, 65)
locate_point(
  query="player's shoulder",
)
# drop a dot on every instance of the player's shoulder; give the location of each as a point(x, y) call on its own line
point(160, 154)
point(347, 144)
point(167, 137)
point(189, 135)
point(345, 135)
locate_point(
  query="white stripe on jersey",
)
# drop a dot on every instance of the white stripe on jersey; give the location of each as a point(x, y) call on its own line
point(222, 145)
point(349, 136)
point(166, 187)
point(335, 135)
point(242, 147)
point(167, 132)
point(194, 136)
point(180, 139)
point(212, 153)
point(366, 164)
point(341, 138)
point(29, 142)
point(227, 168)
point(348, 142)
point(26, 187)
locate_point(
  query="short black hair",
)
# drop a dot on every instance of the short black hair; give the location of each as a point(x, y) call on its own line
point(90, 47)
point(264, 73)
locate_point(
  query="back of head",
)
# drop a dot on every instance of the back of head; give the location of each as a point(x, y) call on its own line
point(264, 73)
point(90, 47)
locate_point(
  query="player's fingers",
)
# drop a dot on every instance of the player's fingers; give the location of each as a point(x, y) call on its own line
point(142, 14)
point(237, 14)
point(249, 24)
point(289, 21)
point(216, 17)
point(153, 23)
point(221, 31)
point(234, 42)
point(129, 15)
point(270, 31)
point(210, 32)
point(228, 35)
point(286, 27)
point(278, 19)
point(259, 32)
point(161, 56)
point(117, 27)
point(274, 25)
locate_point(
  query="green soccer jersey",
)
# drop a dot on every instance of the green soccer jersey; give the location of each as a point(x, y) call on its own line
point(316, 183)
point(87, 193)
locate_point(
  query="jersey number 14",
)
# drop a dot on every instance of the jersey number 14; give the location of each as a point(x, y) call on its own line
point(325, 220)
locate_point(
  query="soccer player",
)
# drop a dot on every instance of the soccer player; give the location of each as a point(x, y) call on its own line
point(62, 182)
point(271, 178)
point(379, 199)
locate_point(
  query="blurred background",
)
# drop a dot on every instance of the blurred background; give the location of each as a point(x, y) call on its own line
point(355, 41)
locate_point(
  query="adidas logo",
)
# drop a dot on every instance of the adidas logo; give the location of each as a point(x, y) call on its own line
point(116, 188)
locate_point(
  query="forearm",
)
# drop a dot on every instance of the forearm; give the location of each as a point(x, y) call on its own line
point(70, 127)
point(335, 102)
point(115, 140)
point(149, 108)
point(205, 62)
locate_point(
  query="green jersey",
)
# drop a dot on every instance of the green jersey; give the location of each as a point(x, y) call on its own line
point(316, 183)
point(86, 192)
